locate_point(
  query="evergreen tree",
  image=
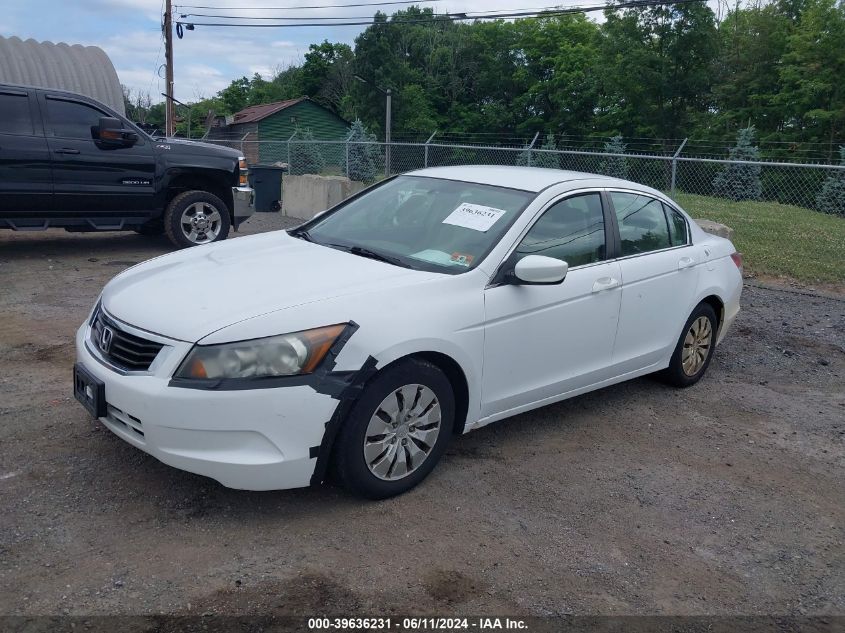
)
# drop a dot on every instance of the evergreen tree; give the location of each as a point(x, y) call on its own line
point(615, 166)
point(525, 158)
point(305, 154)
point(547, 158)
point(831, 198)
point(362, 153)
point(738, 181)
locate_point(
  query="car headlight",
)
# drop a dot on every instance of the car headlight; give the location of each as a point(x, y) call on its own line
point(283, 355)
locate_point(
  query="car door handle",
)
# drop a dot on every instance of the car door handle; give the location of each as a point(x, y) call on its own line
point(67, 150)
point(605, 283)
point(685, 262)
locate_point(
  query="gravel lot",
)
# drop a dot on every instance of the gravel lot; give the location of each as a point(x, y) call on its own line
point(726, 498)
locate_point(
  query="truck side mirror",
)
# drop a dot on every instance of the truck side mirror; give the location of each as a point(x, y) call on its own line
point(111, 132)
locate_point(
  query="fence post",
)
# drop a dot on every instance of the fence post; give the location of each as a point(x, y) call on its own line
point(533, 140)
point(346, 147)
point(289, 161)
point(425, 163)
point(675, 167)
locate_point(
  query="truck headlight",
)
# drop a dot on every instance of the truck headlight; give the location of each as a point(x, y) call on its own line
point(283, 355)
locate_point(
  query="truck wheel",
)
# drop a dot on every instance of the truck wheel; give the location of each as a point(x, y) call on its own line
point(196, 217)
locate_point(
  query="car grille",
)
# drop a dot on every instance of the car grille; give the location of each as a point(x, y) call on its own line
point(125, 351)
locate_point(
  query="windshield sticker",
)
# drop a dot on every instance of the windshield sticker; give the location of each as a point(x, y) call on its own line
point(462, 259)
point(474, 216)
point(435, 257)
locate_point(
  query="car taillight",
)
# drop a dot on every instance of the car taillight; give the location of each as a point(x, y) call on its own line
point(737, 257)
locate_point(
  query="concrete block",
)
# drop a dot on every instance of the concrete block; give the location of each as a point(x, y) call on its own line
point(714, 228)
point(306, 196)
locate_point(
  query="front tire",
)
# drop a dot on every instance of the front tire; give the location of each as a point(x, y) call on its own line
point(397, 431)
point(196, 217)
point(695, 348)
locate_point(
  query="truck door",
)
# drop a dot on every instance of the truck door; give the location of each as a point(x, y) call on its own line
point(26, 186)
point(91, 179)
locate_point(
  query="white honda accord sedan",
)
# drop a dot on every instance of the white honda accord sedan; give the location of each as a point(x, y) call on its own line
point(427, 306)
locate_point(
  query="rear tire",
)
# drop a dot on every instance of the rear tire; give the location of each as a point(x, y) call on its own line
point(397, 431)
point(196, 217)
point(695, 348)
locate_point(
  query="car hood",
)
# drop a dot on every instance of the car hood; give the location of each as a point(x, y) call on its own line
point(192, 293)
point(185, 146)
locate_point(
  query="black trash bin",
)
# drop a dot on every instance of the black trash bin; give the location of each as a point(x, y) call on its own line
point(266, 180)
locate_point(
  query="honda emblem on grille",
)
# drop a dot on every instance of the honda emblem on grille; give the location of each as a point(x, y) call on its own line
point(106, 337)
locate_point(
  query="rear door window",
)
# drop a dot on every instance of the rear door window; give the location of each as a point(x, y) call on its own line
point(678, 233)
point(15, 114)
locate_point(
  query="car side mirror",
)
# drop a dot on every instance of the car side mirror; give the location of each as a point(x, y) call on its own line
point(539, 269)
point(111, 132)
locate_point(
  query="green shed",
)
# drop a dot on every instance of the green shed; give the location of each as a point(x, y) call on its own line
point(272, 124)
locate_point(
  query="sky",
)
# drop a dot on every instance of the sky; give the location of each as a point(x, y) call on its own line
point(206, 59)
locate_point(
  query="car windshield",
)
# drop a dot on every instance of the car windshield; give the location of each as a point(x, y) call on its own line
point(423, 223)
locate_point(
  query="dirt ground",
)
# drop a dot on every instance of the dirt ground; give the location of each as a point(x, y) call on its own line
point(726, 498)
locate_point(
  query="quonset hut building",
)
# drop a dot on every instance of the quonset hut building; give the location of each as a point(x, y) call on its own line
point(83, 69)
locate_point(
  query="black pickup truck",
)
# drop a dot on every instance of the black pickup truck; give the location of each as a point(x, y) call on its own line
point(69, 161)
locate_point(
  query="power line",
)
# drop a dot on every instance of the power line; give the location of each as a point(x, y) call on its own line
point(460, 17)
point(321, 6)
point(460, 14)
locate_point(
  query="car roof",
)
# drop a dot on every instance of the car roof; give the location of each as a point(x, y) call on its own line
point(54, 91)
point(533, 179)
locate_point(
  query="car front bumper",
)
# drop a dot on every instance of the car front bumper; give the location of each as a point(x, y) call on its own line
point(243, 204)
point(263, 439)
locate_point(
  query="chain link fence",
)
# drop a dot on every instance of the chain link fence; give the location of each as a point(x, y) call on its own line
point(788, 218)
point(798, 184)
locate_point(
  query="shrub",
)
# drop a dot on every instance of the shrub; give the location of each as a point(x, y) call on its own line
point(615, 166)
point(738, 181)
point(305, 154)
point(362, 153)
point(547, 158)
point(831, 198)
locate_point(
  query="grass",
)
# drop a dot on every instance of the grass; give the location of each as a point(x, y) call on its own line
point(779, 239)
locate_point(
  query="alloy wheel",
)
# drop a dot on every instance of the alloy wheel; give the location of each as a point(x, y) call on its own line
point(201, 223)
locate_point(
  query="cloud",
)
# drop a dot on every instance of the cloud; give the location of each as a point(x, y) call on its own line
point(204, 62)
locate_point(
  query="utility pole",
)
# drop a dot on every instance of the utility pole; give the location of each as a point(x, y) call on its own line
point(169, 108)
point(387, 126)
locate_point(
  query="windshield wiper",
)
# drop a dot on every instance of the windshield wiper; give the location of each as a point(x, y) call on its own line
point(301, 234)
point(365, 252)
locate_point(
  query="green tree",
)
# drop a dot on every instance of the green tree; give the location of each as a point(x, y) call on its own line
point(362, 153)
point(306, 156)
point(615, 166)
point(548, 157)
point(738, 181)
point(831, 198)
point(752, 41)
point(561, 62)
point(812, 71)
point(235, 96)
point(327, 74)
point(657, 69)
